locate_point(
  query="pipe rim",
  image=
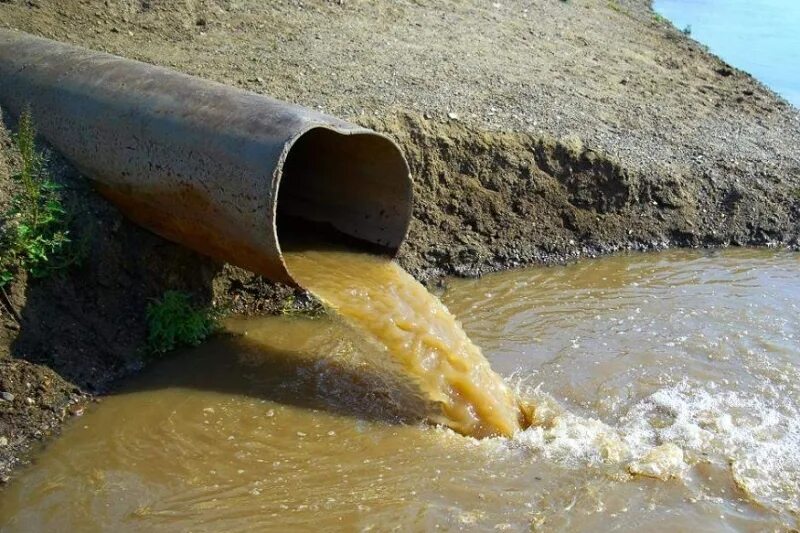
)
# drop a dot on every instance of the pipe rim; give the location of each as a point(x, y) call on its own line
point(406, 180)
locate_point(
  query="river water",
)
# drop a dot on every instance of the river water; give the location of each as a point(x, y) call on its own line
point(758, 36)
point(666, 388)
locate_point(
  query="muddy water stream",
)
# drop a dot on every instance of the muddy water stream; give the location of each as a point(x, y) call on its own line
point(666, 387)
point(415, 335)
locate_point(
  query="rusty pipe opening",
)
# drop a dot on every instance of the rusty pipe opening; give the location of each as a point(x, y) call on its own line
point(355, 183)
point(203, 164)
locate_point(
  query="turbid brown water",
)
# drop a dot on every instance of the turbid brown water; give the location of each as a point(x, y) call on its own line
point(415, 333)
point(681, 366)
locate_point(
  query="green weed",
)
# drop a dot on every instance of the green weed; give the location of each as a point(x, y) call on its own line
point(173, 321)
point(33, 230)
point(659, 19)
point(288, 305)
point(687, 30)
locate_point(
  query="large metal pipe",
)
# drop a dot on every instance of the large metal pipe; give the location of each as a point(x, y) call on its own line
point(201, 163)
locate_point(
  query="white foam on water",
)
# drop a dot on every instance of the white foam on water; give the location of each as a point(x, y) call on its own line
point(757, 436)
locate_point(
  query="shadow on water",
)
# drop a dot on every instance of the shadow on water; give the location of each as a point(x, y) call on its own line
point(301, 376)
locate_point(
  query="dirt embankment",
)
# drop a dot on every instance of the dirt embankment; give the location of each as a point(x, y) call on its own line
point(536, 131)
point(488, 201)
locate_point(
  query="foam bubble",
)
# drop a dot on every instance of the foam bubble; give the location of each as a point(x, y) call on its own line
point(662, 462)
point(757, 436)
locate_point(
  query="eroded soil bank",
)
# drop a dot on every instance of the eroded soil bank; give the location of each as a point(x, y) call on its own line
point(536, 131)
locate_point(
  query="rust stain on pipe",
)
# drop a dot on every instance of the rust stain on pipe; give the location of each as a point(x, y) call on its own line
point(203, 164)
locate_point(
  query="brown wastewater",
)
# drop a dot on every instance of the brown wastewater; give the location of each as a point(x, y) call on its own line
point(662, 389)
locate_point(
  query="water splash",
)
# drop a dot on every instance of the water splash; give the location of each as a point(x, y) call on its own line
point(412, 327)
point(755, 436)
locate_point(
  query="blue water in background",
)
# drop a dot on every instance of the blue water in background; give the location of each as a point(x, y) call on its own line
point(761, 37)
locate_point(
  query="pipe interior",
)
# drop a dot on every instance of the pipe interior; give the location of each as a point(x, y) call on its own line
point(353, 185)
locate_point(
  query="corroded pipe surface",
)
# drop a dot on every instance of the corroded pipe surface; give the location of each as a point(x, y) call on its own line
point(201, 163)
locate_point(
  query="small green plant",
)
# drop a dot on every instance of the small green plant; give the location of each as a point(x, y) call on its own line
point(33, 231)
point(173, 321)
point(687, 30)
point(659, 19)
point(288, 305)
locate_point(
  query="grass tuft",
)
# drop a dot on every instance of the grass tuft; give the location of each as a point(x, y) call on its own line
point(33, 231)
point(659, 19)
point(172, 322)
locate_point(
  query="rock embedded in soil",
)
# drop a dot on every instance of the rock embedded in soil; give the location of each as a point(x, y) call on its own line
point(34, 410)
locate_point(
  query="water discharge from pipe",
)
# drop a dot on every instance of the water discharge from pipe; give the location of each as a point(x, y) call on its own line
point(202, 164)
point(386, 304)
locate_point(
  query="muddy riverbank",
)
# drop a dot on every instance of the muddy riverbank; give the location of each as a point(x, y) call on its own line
point(537, 132)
